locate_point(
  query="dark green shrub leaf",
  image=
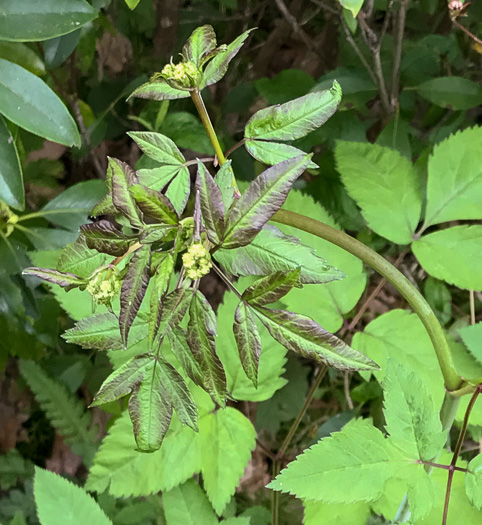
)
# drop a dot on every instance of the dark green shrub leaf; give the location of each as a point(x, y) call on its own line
point(201, 331)
point(273, 251)
point(31, 21)
point(66, 280)
point(455, 93)
point(303, 336)
point(296, 118)
point(154, 204)
point(272, 287)
point(22, 55)
point(200, 44)
point(104, 237)
point(212, 206)
point(133, 289)
point(11, 178)
point(158, 147)
point(247, 341)
point(58, 49)
point(262, 199)
point(27, 100)
point(273, 152)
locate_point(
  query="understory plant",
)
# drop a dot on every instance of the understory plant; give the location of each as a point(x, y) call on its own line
point(163, 228)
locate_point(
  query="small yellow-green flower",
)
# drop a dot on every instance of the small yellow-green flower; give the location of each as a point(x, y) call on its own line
point(184, 75)
point(197, 261)
point(104, 287)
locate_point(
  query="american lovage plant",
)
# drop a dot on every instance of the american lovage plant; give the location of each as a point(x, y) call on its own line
point(156, 237)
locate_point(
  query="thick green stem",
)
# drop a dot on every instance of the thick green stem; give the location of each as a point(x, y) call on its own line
point(393, 276)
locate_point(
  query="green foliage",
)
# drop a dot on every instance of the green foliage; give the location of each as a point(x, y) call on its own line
point(11, 177)
point(188, 504)
point(473, 482)
point(12, 468)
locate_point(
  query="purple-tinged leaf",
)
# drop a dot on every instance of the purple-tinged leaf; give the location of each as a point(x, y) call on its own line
point(180, 348)
point(123, 176)
point(158, 89)
point(216, 69)
point(307, 338)
point(158, 147)
point(160, 284)
point(224, 178)
point(66, 280)
point(201, 330)
point(247, 340)
point(296, 118)
point(104, 237)
point(105, 206)
point(150, 410)
point(133, 289)
point(263, 198)
point(174, 308)
point(151, 235)
point(79, 259)
point(212, 207)
point(124, 380)
point(201, 42)
point(154, 204)
point(272, 288)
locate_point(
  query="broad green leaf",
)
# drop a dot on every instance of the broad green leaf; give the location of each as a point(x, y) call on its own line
point(27, 100)
point(150, 411)
point(305, 337)
point(358, 457)
point(332, 514)
point(60, 502)
point(201, 331)
point(262, 199)
point(353, 6)
point(386, 187)
point(133, 289)
point(124, 380)
point(212, 206)
point(473, 482)
point(224, 179)
point(217, 67)
point(248, 341)
point(296, 118)
point(454, 184)
point(31, 21)
point(72, 207)
point(227, 439)
point(271, 361)
point(119, 468)
point(271, 288)
point(12, 192)
point(456, 93)
point(158, 147)
point(410, 415)
point(79, 259)
point(66, 280)
point(453, 255)
point(179, 189)
point(122, 177)
point(57, 50)
point(153, 204)
point(472, 338)
point(105, 237)
point(272, 251)
point(187, 504)
point(22, 55)
point(200, 44)
point(273, 152)
point(160, 283)
point(158, 89)
point(158, 178)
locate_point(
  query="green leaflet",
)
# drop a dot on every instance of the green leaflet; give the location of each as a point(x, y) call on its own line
point(353, 6)
point(295, 118)
point(29, 102)
point(66, 280)
point(410, 414)
point(303, 336)
point(160, 283)
point(224, 179)
point(187, 504)
point(271, 288)
point(22, 55)
point(158, 178)
point(273, 251)
point(456, 93)
point(122, 177)
point(174, 308)
point(79, 259)
point(273, 152)
point(31, 21)
point(226, 439)
point(158, 147)
point(133, 289)
point(386, 187)
point(472, 338)
point(57, 497)
point(212, 206)
point(200, 44)
point(201, 330)
point(332, 514)
point(11, 177)
point(453, 255)
point(454, 184)
point(14, 467)
point(473, 482)
point(262, 199)
point(154, 204)
point(179, 189)
point(248, 341)
point(158, 89)
point(104, 237)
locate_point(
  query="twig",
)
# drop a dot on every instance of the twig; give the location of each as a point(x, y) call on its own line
point(472, 306)
point(466, 31)
point(346, 388)
point(397, 53)
point(266, 450)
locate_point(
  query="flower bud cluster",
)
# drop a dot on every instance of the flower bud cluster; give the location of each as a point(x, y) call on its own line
point(184, 75)
point(104, 286)
point(8, 219)
point(197, 261)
